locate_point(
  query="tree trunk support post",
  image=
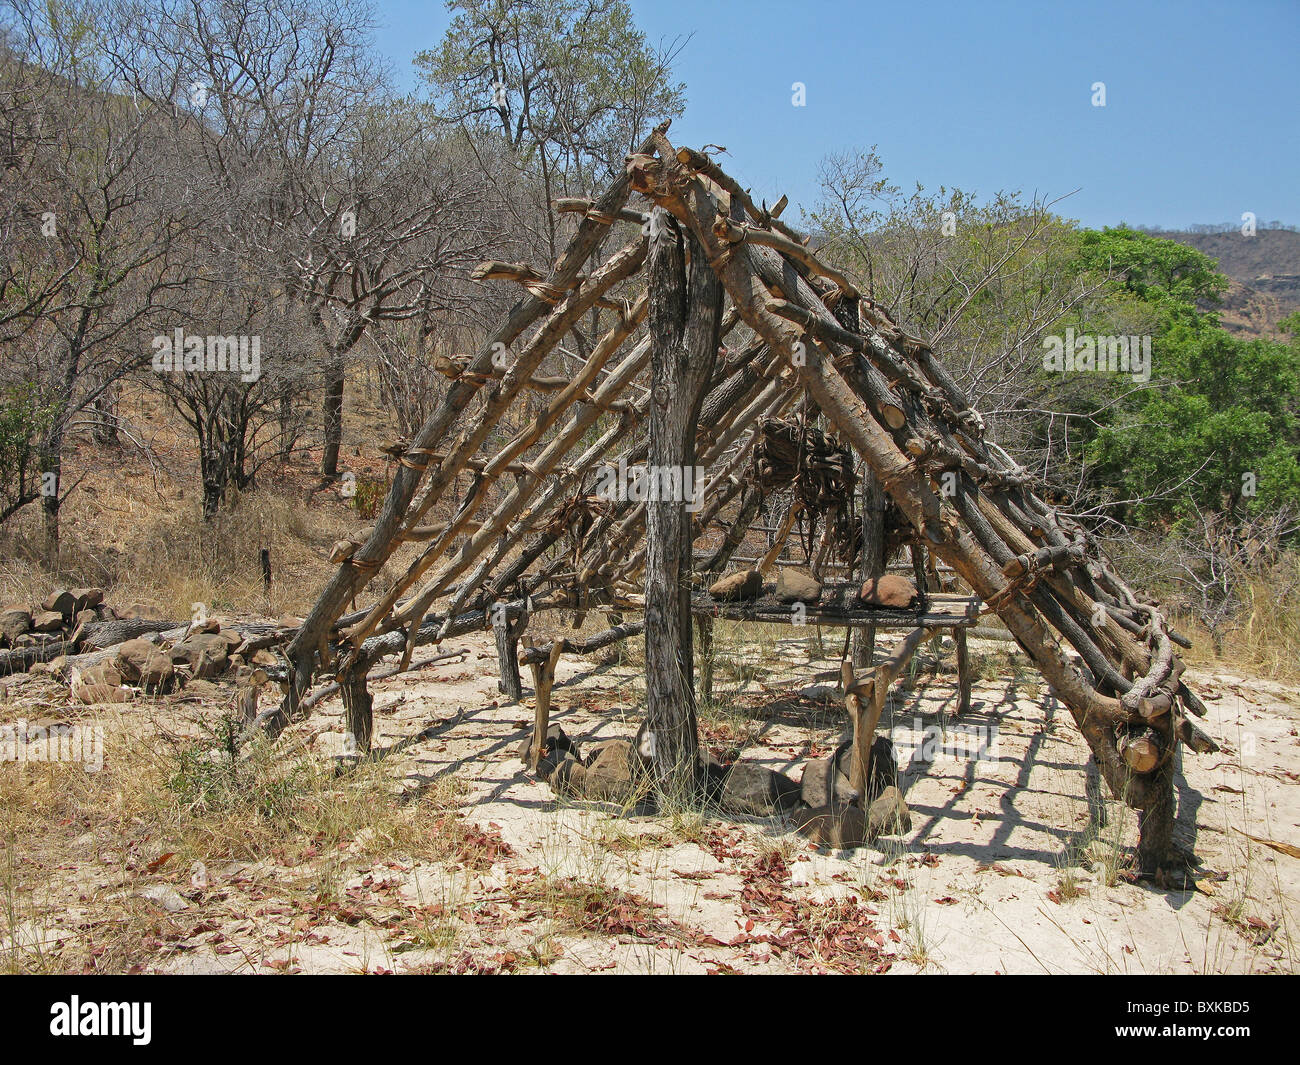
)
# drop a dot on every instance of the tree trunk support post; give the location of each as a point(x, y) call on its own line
point(871, 559)
point(704, 626)
point(684, 316)
point(358, 709)
point(963, 672)
point(507, 633)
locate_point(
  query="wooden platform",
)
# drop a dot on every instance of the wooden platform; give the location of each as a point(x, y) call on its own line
point(837, 607)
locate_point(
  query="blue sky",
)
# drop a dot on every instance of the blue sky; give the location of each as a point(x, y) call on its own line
point(1201, 121)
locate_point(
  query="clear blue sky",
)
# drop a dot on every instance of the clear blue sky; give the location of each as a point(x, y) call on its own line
point(1201, 123)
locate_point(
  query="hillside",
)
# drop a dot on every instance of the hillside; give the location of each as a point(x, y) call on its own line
point(1264, 269)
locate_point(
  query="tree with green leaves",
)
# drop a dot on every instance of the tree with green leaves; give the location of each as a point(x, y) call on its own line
point(23, 422)
point(571, 86)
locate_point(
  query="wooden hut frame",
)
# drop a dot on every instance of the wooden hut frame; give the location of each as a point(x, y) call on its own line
point(654, 391)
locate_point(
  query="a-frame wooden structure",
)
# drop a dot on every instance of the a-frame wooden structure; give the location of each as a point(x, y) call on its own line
point(702, 263)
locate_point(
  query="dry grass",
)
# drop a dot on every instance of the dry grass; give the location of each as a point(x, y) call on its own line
point(162, 803)
point(1265, 633)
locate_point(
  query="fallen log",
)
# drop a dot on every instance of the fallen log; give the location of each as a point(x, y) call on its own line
point(102, 636)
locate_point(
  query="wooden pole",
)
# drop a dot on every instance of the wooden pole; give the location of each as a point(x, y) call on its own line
point(543, 678)
point(358, 708)
point(507, 631)
point(507, 640)
point(685, 313)
point(782, 535)
point(861, 743)
point(704, 626)
point(871, 560)
point(963, 673)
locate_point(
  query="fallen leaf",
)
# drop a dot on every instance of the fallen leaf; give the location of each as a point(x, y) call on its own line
point(160, 861)
point(1277, 845)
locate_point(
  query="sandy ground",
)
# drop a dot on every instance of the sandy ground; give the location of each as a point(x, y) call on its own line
point(1000, 872)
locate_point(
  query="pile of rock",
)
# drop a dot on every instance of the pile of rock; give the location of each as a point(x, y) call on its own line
point(155, 666)
point(823, 807)
point(831, 813)
point(57, 618)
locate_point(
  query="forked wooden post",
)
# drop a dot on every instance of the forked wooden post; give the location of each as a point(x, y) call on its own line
point(543, 678)
point(876, 688)
point(853, 705)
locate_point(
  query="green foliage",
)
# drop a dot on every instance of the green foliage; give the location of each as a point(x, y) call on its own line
point(1172, 278)
point(1220, 432)
point(579, 83)
point(371, 492)
point(23, 420)
point(1215, 429)
point(212, 775)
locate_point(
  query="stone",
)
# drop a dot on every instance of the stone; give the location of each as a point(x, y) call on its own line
point(86, 598)
point(792, 586)
point(817, 788)
point(608, 775)
point(828, 781)
point(882, 774)
point(145, 664)
point(61, 601)
point(101, 673)
point(14, 623)
point(754, 790)
point(888, 815)
point(131, 657)
point(713, 776)
point(204, 654)
point(891, 590)
point(558, 745)
point(826, 826)
point(100, 683)
point(565, 774)
point(48, 621)
point(165, 896)
point(203, 689)
point(743, 584)
point(139, 612)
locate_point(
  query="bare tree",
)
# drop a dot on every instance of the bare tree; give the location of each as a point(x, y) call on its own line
point(113, 213)
point(336, 191)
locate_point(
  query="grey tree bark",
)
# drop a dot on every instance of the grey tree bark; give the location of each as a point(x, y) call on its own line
point(685, 313)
